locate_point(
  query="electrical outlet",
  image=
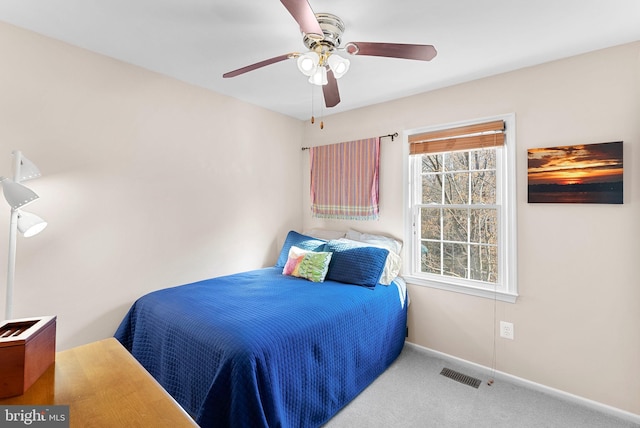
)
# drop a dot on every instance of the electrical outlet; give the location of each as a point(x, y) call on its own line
point(506, 330)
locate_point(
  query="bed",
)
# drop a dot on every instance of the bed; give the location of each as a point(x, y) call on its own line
point(272, 347)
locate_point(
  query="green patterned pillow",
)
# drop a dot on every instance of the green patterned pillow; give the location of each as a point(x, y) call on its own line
point(307, 264)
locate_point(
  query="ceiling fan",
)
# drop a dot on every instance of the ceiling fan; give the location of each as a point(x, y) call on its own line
point(321, 34)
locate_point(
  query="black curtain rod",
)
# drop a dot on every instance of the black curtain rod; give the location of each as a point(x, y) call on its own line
point(393, 136)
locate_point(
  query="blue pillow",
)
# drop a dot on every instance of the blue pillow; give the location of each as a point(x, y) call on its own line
point(301, 241)
point(355, 264)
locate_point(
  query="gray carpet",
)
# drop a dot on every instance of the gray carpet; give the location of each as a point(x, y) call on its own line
point(412, 393)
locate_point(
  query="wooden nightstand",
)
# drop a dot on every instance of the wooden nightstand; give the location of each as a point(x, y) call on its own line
point(104, 386)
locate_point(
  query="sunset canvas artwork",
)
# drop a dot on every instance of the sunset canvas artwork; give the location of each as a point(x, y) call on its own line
point(589, 173)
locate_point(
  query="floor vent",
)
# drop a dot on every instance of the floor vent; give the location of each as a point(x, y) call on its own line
point(462, 378)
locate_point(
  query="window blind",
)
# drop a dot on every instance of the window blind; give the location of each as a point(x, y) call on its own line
point(476, 136)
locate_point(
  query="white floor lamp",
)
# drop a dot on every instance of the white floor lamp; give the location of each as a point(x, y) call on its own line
point(26, 223)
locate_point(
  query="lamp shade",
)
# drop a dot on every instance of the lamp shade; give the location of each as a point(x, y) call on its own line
point(27, 170)
point(338, 65)
point(30, 224)
point(319, 77)
point(16, 194)
point(308, 63)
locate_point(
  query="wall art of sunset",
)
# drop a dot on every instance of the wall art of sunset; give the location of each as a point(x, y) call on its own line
point(589, 173)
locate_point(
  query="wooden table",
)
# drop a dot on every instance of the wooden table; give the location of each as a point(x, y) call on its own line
point(104, 386)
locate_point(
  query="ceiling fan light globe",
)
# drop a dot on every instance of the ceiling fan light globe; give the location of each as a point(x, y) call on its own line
point(338, 65)
point(319, 78)
point(308, 63)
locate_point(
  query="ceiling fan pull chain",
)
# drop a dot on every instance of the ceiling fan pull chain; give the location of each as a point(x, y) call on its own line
point(321, 115)
point(313, 119)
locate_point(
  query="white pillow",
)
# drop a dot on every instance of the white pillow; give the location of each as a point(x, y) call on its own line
point(391, 268)
point(391, 244)
point(354, 235)
point(325, 234)
point(392, 264)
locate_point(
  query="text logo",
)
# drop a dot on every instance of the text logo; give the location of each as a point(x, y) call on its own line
point(34, 416)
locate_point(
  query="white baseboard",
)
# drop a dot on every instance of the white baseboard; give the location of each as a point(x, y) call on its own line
point(557, 393)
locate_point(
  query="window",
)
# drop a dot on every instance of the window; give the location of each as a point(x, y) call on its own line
point(461, 208)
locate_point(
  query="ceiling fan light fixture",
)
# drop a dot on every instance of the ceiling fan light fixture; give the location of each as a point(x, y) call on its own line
point(308, 63)
point(319, 78)
point(338, 65)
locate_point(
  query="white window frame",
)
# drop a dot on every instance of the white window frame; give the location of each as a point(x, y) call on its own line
point(507, 288)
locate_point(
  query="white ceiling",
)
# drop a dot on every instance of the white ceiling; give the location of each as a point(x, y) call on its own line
point(197, 41)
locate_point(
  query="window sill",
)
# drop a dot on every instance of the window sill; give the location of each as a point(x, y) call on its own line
point(464, 289)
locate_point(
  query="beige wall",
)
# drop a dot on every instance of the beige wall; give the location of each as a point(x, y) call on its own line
point(577, 319)
point(147, 183)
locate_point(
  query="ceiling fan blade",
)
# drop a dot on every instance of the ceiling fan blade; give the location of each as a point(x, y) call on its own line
point(257, 65)
point(392, 50)
point(304, 16)
point(330, 90)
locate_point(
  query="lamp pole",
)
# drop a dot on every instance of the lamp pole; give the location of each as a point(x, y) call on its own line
point(13, 232)
point(11, 268)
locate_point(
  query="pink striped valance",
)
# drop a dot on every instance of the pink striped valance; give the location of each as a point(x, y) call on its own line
point(344, 180)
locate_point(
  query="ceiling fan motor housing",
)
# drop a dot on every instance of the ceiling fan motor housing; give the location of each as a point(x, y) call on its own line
point(332, 29)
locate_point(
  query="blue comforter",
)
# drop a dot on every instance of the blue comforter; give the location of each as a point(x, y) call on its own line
point(260, 349)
